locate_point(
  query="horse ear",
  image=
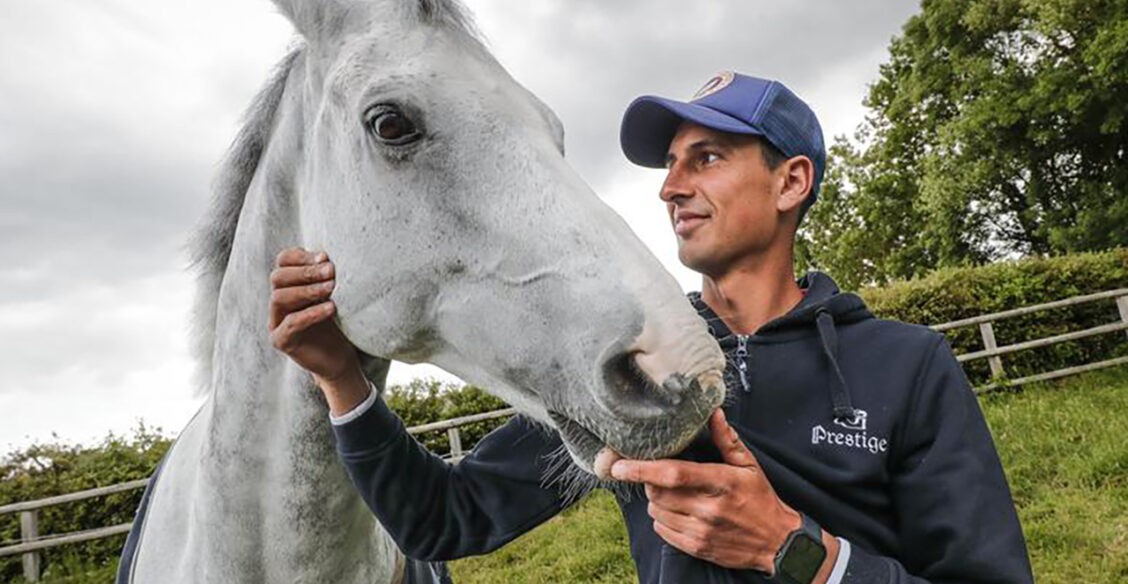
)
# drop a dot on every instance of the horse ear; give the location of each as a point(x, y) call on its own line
point(323, 19)
point(314, 19)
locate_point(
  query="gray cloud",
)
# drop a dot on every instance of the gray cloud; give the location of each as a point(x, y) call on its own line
point(592, 58)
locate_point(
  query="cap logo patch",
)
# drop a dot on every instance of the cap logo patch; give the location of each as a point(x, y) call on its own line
point(718, 82)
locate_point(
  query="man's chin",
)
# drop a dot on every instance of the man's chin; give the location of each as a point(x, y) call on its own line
point(690, 256)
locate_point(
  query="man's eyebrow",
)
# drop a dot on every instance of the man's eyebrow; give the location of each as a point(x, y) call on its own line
point(698, 145)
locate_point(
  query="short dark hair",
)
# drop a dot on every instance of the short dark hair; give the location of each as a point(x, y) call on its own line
point(772, 155)
point(773, 158)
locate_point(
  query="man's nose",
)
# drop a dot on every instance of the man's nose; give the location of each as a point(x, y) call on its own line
point(676, 185)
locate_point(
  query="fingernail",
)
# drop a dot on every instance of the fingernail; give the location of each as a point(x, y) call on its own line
point(325, 269)
point(620, 469)
point(328, 284)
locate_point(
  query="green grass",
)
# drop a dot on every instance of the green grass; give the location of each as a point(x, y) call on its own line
point(1064, 446)
point(587, 543)
point(1065, 449)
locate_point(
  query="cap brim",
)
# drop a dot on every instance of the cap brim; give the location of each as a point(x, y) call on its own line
point(650, 123)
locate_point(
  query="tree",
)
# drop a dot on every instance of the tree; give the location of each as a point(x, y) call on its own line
point(996, 129)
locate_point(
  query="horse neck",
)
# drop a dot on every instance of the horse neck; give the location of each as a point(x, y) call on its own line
point(269, 443)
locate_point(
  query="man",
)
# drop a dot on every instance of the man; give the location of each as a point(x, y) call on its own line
point(852, 450)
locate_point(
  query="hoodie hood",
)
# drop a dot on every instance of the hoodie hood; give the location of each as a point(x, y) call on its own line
point(821, 296)
point(823, 308)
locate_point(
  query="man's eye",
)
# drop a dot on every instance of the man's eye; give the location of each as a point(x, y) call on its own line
point(709, 157)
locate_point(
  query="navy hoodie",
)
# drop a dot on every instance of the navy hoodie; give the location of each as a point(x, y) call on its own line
point(869, 426)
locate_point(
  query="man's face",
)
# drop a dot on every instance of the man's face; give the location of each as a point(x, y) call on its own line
point(721, 197)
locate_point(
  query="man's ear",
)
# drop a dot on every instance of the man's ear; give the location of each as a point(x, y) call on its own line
point(798, 176)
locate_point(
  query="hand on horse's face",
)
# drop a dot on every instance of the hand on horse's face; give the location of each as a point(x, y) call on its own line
point(301, 314)
point(727, 514)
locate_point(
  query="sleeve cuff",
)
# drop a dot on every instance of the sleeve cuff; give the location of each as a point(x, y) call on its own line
point(370, 431)
point(356, 412)
point(839, 570)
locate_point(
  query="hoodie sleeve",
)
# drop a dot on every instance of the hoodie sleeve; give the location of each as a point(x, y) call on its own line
point(489, 498)
point(957, 518)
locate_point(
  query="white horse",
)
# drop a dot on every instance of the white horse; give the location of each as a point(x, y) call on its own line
point(392, 139)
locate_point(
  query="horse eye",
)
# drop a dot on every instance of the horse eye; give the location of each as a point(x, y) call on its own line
point(392, 127)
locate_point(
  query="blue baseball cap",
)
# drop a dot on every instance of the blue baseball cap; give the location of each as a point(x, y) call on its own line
point(729, 102)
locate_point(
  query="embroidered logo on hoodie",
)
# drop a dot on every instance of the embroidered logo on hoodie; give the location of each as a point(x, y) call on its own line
point(851, 433)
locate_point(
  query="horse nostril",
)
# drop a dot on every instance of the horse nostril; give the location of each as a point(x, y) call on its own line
point(633, 391)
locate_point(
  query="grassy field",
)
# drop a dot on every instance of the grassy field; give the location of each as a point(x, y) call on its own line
point(1064, 446)
point(1065, 449)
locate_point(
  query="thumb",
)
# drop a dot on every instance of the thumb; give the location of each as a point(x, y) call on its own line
point(732, 448)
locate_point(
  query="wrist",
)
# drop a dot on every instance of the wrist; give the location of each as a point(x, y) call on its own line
point(807, 555)
point(832, 546)
point(345, 391)
point(789, 522)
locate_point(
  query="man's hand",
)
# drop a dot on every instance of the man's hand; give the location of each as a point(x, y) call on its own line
point(301, 326)
point(727, 514)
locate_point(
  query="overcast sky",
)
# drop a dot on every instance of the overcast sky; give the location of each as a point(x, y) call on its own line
point(114, 114)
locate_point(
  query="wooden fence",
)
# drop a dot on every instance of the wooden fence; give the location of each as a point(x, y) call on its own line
point(33, 542)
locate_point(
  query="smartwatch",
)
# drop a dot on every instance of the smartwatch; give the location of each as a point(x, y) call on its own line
point(802, 554)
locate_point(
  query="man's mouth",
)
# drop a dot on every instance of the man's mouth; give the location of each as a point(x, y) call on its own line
point(686, 221)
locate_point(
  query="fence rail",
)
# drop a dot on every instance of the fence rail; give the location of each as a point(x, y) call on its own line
point(33, 542)
point(994, 353)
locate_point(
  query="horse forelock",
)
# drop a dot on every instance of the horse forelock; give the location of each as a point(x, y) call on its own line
point(209, 246)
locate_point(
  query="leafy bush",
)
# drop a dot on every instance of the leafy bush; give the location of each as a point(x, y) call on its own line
point(425, 400)
point(956, 293)
point(56, 468)
point(46, 470)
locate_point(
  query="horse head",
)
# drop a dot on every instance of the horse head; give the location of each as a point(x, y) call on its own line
point(462, 238)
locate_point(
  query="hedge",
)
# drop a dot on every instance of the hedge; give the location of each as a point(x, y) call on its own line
point(423, 401)
point(957, 293)
point(46, 470)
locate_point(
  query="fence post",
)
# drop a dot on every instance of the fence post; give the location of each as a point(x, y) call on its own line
point(1122, 305)
point(29, 532)
point(455, 439)
point(988, 333)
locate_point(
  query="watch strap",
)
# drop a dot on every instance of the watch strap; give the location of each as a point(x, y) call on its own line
point(806, 545)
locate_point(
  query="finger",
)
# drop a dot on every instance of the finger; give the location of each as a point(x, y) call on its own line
point(285, 301)
point(680, 522)
point(733, 450)
point(297, 256)
point(695, 502)
point(299, 275)
point(667, 473)
point(286, 336)
point(686, 543)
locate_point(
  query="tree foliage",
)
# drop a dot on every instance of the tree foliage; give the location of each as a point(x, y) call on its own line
point(997, 129)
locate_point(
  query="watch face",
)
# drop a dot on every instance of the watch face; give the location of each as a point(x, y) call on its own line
point(803, 559)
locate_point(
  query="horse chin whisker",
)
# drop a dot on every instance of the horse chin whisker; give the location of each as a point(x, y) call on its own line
point(573, 483)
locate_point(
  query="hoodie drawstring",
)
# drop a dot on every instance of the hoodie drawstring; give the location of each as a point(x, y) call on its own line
point(839, 391)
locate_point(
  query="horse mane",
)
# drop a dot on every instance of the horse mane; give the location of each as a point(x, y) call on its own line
point(209, 246)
